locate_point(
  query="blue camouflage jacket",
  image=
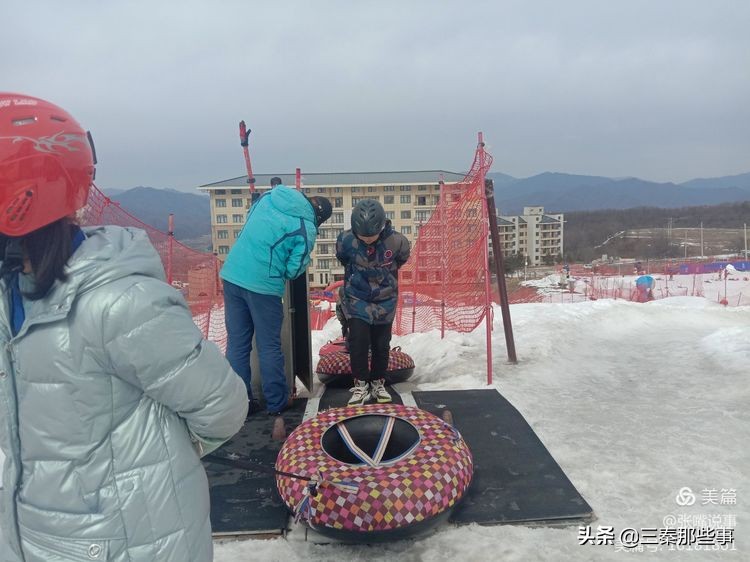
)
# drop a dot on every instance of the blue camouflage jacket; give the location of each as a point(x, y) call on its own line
point(371, 274)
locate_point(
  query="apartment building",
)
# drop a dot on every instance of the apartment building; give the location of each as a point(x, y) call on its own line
point(534, 234)
point(409, 198)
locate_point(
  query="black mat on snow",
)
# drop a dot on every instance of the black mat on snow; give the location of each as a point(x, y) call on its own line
point(244, 499)
point(516, 480)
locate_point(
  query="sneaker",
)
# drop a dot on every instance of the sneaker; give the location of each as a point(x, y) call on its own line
point(253, 406)
point(360, 392)
point(379, 392)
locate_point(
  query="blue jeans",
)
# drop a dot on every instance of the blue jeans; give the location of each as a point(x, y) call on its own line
point(243, 311)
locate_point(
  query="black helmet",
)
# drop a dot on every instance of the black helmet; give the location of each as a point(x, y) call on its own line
point(322, 208)
point(368, 218)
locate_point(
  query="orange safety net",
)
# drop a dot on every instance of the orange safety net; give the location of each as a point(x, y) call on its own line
point(445, 283)
point(194, 273)
point(606, 283)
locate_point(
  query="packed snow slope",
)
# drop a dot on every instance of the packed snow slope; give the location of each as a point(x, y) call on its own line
point(634, 401)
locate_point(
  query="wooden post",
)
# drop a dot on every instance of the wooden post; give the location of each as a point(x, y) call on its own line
point(489, 192)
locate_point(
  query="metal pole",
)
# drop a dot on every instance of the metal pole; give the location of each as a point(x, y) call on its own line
point(414, 284)
point(686, 231)
point(298, 179)
point(702, 239)
point(745, 240)
point(244, 135)
point(443, 268)
point(487, 284)
point(170, 246)
point(489, 192)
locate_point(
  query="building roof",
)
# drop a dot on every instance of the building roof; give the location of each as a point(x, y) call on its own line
point(548, 220)
point(343, 179)
point(502, 222)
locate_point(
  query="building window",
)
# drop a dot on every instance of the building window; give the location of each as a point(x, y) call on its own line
point(221, 219)
point(389, 188)
point(406, 230)
point(223, 250)
point(222, 234)
point(356, 189)
point(236, 192)
point(338, 201)
point(324, 264)
point(390, 215)
point(321, 190)
point(311, 277)
point(422, 216)
point(237, 234)
point(337, 190)
point(356, 200)
point(238, 219)
point(337, 217)
point(371, 189)
point(236, 202)
point(421, 200)
point(324, 248)
point(388, 199)
point(406, 198)
point(422, 188)
point(405, 214)
point(405, 188)
point(220, 192)
point(221, 202)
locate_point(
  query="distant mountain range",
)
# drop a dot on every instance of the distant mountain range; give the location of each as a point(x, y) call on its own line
point(569, 192)
point(555, 191)
point(192, 213)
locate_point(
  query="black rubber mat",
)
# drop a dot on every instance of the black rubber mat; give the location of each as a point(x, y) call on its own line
point(516, 480)
point(242, 483)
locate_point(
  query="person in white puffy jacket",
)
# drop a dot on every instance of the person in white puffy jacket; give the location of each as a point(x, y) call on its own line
point(108, 392)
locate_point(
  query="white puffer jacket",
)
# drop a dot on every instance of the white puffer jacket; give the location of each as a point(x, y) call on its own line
point(106, 393)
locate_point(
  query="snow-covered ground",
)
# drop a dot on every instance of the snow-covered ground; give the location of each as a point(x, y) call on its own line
point(634, 401)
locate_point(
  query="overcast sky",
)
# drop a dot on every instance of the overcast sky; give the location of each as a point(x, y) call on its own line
point(647, 88)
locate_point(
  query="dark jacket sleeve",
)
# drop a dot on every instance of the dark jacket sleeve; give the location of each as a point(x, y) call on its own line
point(341, 253)
point(403, 251)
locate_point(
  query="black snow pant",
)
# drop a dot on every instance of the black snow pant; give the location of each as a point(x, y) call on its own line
point(363, 337)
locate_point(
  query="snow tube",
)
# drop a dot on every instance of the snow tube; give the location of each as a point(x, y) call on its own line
point(373, 473)
point(335, 368)
point(333, 347)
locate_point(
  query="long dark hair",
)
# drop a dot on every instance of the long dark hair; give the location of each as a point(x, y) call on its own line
point(48, 249)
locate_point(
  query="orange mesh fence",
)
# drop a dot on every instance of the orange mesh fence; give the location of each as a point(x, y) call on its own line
point(731, 289)
point(194, 273)
point(443, 285)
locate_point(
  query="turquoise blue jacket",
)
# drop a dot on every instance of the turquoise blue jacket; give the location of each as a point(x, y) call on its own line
point(275, 243)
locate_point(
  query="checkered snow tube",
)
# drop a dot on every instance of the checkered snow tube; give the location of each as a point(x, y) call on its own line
point(335, 369)
point(373, 473)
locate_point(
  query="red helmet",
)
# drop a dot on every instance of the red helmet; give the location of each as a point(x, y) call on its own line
point(46, 164)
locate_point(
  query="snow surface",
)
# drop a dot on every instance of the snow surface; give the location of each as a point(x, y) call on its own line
point(634, 401)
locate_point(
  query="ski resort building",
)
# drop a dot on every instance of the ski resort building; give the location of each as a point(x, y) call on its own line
point(409, 198)
point(534, 234)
